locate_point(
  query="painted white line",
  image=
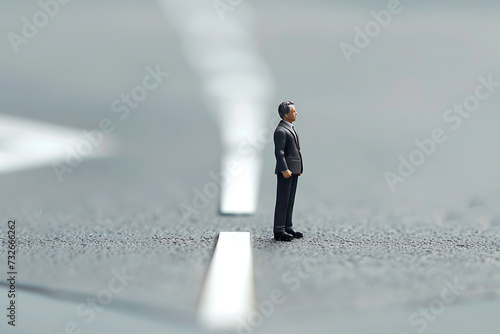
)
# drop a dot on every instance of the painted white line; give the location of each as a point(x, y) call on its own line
point(238, 87)
point(228, 293)
point(239, 194)
point(27, 143)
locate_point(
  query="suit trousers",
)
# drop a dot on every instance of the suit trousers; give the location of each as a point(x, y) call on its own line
point(285, 198)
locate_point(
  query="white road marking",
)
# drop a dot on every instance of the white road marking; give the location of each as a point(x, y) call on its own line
point(238, 87)
point(27, 143)
point(240, 194)
point(228, 293)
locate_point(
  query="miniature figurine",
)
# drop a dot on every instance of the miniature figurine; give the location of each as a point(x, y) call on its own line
point(288, 169)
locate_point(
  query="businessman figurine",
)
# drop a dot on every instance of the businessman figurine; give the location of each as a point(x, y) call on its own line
point(288, 169)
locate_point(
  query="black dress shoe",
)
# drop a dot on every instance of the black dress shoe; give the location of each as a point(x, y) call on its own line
point(282, 236)
point(297, 235)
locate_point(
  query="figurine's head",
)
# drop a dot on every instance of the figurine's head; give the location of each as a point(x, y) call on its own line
point(287, 111)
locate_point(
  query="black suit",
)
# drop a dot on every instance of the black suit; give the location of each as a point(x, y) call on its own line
point(288, 157)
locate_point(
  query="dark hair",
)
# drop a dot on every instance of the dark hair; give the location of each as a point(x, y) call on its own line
point(284, 108)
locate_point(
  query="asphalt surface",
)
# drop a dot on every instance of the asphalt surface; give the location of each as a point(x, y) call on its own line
point(371, 258)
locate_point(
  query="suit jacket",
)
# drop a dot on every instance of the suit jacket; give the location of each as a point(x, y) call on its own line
point(287, 149)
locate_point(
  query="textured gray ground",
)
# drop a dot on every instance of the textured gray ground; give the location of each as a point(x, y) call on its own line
point(379, 256)
point(346, 267)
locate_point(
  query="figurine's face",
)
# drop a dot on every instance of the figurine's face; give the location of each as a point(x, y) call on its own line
point(291, 116)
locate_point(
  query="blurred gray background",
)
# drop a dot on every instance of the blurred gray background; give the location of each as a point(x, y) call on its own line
point(383, 254)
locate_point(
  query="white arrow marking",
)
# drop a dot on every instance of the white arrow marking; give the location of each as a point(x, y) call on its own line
point(27, 144)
